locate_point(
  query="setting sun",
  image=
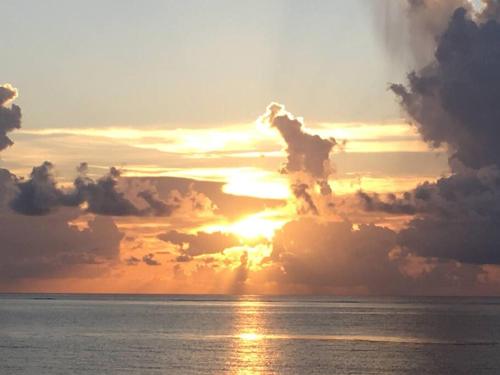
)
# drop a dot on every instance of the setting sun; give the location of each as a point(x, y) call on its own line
point(255, 226)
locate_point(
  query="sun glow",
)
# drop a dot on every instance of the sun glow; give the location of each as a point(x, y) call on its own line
point(261, 225)
point(254, 227)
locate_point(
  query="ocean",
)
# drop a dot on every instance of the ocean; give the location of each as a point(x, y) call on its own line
point(184, 334)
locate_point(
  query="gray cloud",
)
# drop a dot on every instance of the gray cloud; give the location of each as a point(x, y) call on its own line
point(102, 195)
point(149, 260)
point(10, 116)
point(305, 152)
point(467, 241)
point(392, 204)
point(453, 103)
point(201, 242)
point(48, 246)
point(316, 256)
point(308, 157)
point(457, 216)
point(323, 254)
point(40, 194)
point(302, 192)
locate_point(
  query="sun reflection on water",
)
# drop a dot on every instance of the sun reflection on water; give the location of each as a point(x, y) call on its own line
point(250, 336)
point(250, 349)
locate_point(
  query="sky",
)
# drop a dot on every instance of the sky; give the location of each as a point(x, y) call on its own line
point(193, 63)
point(250, 147)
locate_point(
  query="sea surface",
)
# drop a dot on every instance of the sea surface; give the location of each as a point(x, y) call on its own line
point(138, 334)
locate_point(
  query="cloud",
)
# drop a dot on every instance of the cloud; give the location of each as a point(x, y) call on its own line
point(10, 116)
point(305, 200)
point(40, 194)
point(453, 102)
point(317, 256)
point(102, 195)
point(470, 193)
point(8, 188)
point(132, 261)
point(392, 204)
point(308, 157)
point(200, 243)
point(149, 260)
point(491, 10)
point(305, 152)
point(48, 246)
point(467, 241)
point(457, 216)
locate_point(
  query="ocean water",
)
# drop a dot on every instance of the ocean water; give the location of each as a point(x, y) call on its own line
point(137, 334)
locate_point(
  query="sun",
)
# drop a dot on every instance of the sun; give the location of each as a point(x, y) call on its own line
point(255, 226)
point(253, 229)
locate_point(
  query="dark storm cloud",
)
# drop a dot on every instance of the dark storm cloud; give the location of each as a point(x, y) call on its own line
point(10, 116)
point(201, 242)
point(453, 102)
point(460, 218)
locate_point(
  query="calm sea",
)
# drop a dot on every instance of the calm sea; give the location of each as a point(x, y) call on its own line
point(137, 334)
